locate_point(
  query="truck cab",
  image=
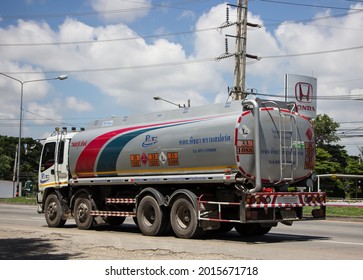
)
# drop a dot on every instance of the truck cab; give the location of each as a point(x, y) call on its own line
point(53, 168)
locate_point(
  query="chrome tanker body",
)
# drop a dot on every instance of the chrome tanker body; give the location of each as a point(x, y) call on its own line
point(191, 141)
point(247, 166)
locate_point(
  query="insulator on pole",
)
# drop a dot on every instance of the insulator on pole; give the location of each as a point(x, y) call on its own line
point(253, 25)
point(252, 56)
point(226, 45)
point(227, 14)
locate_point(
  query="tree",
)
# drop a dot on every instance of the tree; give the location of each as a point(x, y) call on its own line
point(6, 164)
point(324, 163)
point(354, 166)
point(7, 155)
point(329, 158)
point(29, 157)
point(361, 152)
point(338, 155)
point(325, 130)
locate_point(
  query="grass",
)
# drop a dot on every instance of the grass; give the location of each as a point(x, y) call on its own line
point(29, 200)
point(344, 211)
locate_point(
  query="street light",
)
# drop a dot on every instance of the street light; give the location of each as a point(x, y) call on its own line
point(179, 106)
point(61, 77)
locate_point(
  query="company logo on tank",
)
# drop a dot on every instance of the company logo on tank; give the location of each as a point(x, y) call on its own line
point(149, 141)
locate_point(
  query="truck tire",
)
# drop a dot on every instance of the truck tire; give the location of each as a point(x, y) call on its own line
point(251, 229)
point(184, 221)
point(152, 220)
point(53, 211)
point(82, 213)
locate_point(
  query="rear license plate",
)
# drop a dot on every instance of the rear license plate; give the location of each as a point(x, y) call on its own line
point(288, 214)
point(287, 199)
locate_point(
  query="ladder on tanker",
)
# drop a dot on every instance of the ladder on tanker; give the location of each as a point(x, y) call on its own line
point(288, 134)
point(288, 152)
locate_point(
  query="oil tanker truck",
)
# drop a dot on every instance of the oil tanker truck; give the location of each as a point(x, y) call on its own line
point(245, 165)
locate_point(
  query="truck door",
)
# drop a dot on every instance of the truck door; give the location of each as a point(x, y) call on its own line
point(53, 166)
point(61, 162)
point(46, 170)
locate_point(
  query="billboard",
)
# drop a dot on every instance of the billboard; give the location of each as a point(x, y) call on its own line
point(303, 91)
point(6, 189)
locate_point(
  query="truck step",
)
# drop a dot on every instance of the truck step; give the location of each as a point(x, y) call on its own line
point(113, 213)
point(120, 200)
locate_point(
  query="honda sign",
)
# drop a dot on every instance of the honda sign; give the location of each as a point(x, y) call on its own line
point(302, 91)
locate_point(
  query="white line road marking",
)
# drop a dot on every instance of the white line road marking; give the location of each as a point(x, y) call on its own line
point(17, 219)
point(339, 242)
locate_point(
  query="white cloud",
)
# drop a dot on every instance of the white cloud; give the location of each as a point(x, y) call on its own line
point(132, 89)
point(121, 11)
point(187, 15)
point(10, 90)
point(44, 113)
point(338, 73)
point(78, 105)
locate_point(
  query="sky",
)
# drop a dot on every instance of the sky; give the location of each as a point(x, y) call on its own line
point(119, 54)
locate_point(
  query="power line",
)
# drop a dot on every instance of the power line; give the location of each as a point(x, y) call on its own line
point(357, 97)
point(344, 122)
point(308, 21)
point(313, 53)
point(103, 12)
point(158, 35)
point(105, 40)
point(42, 118)
point(131, 67)
point(176, 63)
point(73, 14)
point(46, 118)
point(350, 136)
point(310, 5)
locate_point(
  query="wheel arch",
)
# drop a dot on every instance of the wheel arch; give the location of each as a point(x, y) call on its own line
point(160, 198)
point(49, 191)
point(184, 192)
point(78, 193)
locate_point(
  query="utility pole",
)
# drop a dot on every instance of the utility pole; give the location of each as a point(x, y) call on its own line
point(15, 169)
point(238, 91)
point(241, 43)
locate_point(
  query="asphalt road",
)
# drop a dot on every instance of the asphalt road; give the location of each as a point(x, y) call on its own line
point(25, 235)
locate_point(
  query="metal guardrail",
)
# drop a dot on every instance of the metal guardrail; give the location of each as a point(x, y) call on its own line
point(350, 200)
point(345, 203)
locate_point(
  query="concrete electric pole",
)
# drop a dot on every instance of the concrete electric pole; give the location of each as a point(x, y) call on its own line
point(241, 43)
point(238, 91)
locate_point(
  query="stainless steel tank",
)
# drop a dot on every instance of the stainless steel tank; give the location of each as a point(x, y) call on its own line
point(207, 139)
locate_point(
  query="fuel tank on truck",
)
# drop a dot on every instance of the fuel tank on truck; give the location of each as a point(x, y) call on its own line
point(216, 138)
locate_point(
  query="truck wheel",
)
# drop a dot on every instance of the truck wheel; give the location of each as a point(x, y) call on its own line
point(263, 230)
point(53, 211)
point(151, 219)
point(184, 220)
point(82, 213)
point(251, 229)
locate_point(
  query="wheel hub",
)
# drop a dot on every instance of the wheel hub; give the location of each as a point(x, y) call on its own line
point(52, 210)
point(183, 217)
point(82, 212)
point(149, 215)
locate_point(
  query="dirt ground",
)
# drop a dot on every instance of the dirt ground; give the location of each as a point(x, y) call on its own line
point(17, 244)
